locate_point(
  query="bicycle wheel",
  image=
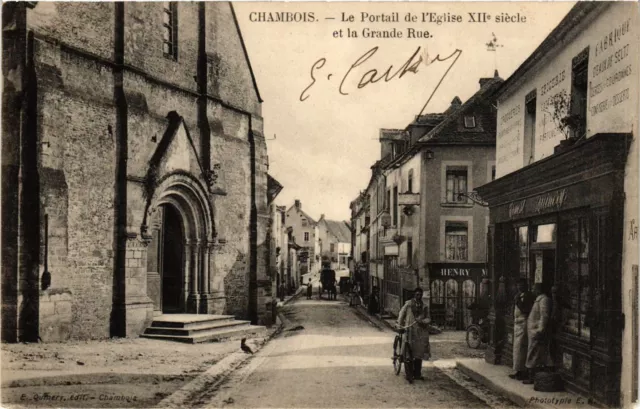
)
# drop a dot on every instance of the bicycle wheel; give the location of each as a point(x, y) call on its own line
point(408, 363)
point(397, 358)
point(474, 337)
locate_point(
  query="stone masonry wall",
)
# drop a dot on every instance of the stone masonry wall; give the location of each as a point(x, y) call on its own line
point(76, 118)
point(230, 149)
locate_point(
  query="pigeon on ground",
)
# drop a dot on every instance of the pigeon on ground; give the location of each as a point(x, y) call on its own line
point(244, 347)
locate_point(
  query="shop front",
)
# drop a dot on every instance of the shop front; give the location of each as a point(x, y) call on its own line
point(454, 287)
point(558, 222)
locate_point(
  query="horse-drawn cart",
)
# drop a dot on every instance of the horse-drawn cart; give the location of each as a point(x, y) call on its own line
point(327, 283)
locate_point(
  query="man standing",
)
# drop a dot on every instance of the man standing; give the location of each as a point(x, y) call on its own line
point(523, 303)
point(539, 335)
point(414, 315)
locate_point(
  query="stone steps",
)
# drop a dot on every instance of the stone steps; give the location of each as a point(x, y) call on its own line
point(200, 328)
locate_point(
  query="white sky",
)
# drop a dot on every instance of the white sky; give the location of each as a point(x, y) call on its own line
point(325, 146)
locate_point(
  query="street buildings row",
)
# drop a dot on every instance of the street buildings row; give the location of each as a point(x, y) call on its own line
point(134, 169)
point(300, 245)
point(415, 224)
point(550, 196)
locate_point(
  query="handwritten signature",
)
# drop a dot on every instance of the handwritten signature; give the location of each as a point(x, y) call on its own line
point(373, 75)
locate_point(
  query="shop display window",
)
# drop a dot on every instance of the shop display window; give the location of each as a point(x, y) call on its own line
point(575, 278)
point(522, 235)
point(544, 233)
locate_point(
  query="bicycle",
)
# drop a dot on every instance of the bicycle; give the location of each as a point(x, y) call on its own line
point(477, 334)
point(402, 354)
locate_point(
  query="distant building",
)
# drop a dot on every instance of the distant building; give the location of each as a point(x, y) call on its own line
point(360, 220)
point(304, 231)
point(335, 242)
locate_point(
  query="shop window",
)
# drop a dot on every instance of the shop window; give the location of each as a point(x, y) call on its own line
point(306, 236)
point(468, 298)
point(575, 279)
point(544, 233)
point(522, 237)
point(529, 127)
point(456, 184)
point(451, 301)
point(456, 241)
point(437, 292)
point(170, 30)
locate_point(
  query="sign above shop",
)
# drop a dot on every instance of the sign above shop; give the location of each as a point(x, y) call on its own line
point(458, 270)
point(409, 199)
point(551, 201)
point(545, 203)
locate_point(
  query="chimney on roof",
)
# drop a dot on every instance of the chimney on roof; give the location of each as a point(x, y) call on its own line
point(456, 102)
point(484, 81)
point(322, 216)
point(298, 205)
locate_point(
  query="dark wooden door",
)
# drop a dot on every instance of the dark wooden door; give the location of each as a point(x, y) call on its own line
point(172, 261)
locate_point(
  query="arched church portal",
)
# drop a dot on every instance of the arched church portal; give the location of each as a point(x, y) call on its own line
point(179, 254)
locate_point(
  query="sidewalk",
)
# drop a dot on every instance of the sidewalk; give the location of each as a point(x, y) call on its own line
point(289, 298)
point(495, 377)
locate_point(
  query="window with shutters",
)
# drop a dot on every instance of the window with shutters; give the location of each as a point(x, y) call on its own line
point(456, 184)
point(456, 241)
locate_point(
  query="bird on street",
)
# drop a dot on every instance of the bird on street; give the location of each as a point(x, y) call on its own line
point(245, 347)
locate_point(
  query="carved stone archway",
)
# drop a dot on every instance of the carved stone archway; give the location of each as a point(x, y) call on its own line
point(185, 194)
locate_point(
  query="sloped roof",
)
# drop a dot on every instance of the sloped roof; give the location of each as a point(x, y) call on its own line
point(340, 229)
point(452, 130)
point(428, 119)
point(246, 54)
point(303, 213)
point(273, 188)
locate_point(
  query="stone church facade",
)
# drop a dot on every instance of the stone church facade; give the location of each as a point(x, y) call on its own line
point(134, 169)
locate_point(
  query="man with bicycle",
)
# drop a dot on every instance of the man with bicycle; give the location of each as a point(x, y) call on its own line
point(414, 319)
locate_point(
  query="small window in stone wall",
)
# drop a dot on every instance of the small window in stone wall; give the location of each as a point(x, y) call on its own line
point(170, 30)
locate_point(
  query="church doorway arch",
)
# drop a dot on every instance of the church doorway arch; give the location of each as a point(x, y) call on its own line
point(181, 227)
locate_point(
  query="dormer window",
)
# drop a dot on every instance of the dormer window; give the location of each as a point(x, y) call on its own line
point(469, 121)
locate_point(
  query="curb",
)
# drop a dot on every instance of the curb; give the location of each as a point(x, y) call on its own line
point(518, 400)
point(375, 321)
point(295, 296)
point(214, 376)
